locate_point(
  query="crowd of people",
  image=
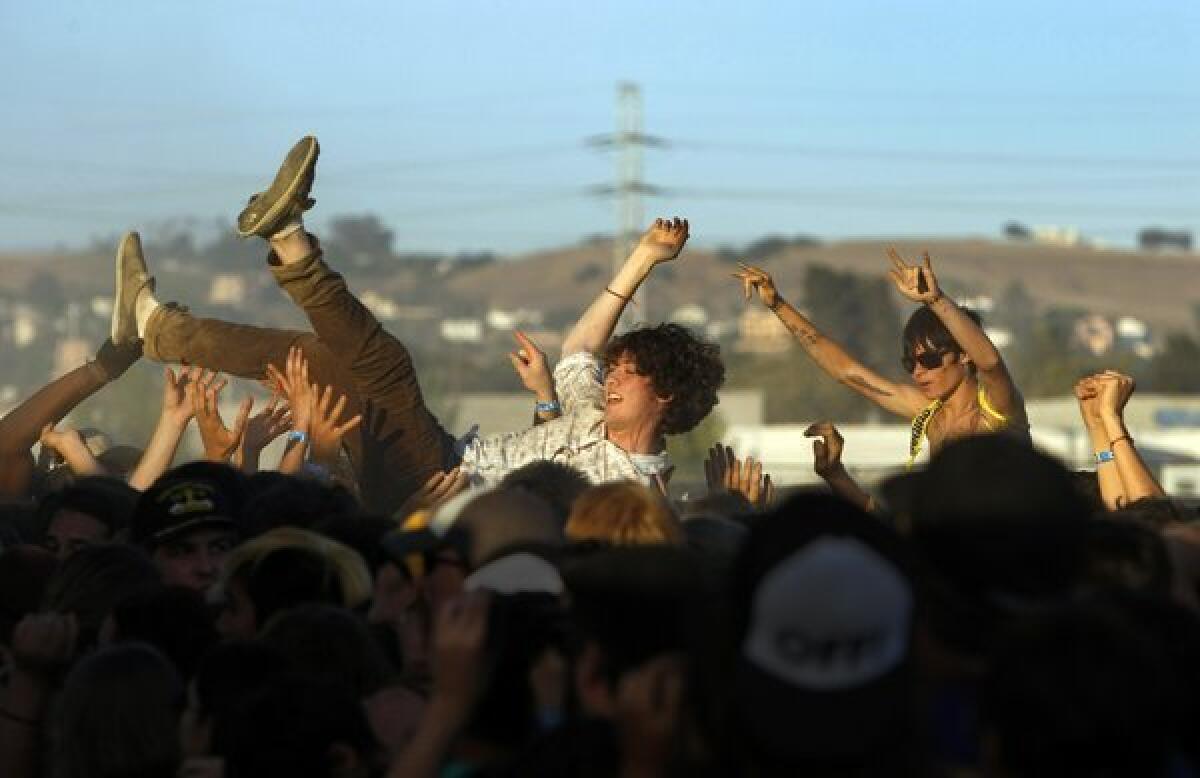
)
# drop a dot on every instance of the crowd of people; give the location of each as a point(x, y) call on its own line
point(391, 599)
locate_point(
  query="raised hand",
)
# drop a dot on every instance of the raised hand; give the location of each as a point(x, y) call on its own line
point(530, 363)
point(219, 441)
point(177, 405)
point(262, 428)
point(293, 382)
point(916, 282)
point(1113, 390)
point(1088, 395)
point(757, 280)
point(827, 452)
point(440, 487)
point(62, 442)
point(43, 643)
point(664, 240)
point(459, 641)
point(326, 429)
point(724, 472)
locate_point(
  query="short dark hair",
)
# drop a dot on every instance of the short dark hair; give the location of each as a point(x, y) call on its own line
point(555, 482)
point(681, 366)
point(924, 328)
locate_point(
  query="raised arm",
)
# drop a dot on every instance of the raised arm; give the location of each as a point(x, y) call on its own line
point(919, 284)
point(1114, 390)
point(1112, 488)
point(661, 243)
point(827, 463)
point(530, 363)
point(896, 398)
point(23, 425)
point(173, 419)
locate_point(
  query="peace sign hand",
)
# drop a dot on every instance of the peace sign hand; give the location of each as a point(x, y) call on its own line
point(916, 282)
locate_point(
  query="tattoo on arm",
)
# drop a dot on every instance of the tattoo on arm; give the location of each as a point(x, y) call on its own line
point(862, 383)
point(807, 335)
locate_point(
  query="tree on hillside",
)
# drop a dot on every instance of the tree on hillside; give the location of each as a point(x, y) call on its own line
point(361, 239)
point(857, 311)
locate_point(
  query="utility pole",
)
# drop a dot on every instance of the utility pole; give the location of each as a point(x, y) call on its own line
point(628, 141)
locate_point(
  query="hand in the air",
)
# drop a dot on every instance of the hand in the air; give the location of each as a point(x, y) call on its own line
point(916, 282)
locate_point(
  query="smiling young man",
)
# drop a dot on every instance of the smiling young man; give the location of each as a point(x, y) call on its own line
point(961, 384)
point(663, 379)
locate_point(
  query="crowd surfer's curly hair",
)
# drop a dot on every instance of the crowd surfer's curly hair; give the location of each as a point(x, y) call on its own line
point(681, 366)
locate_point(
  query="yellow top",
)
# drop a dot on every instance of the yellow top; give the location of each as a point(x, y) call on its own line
point(993, 419)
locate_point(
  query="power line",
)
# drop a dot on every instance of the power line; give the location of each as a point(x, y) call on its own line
point(933, 157)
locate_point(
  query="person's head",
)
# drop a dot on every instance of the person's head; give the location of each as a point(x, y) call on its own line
point(94, 581)
point(174, 619)
point(296, 726)
point(117, 716)
point(1000, 527)
point(331, 644)
point(1079, 690)
point(623, 513)
point(89, 511)
point(822, 612)
point(663, 378)
point(25, 571)
point(934, 359)
point(188, 522)
point(557, 483)
point(284, 568)
point(631, 605)
point(227, 674)
point(291, 501)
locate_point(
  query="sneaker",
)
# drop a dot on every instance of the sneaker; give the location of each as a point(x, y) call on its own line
point(287, 197)
point(132, 278)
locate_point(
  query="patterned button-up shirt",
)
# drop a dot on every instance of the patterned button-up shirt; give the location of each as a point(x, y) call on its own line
point(576, 438)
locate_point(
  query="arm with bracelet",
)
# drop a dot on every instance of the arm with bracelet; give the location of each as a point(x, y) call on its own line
point(1114, 390)
point(661, 243)
point(1112, 488)
point(530, 363)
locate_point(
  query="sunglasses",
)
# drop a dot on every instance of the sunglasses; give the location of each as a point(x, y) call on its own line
point(930, 360)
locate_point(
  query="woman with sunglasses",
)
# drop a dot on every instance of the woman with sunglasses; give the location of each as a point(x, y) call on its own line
point(962, 386)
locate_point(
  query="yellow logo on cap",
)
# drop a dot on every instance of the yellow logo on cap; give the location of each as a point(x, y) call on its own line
point(188, 498)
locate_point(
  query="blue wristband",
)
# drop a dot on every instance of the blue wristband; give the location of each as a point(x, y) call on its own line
point(550, 407)
point(1103, 457)
point(298, 436)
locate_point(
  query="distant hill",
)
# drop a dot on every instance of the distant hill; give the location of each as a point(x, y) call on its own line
point(1160, 289)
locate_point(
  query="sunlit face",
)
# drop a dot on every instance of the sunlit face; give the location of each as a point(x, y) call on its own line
point(71, 530)
point(629, 396)
point(937, 383)
point(194, 560)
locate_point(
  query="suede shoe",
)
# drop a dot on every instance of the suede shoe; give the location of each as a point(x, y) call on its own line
point(132, 278)
point(287, 197)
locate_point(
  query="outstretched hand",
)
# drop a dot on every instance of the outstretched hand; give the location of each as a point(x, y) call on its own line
point(530, 363)
point(219, 441)
point(440, 487)
point(757, 280)
point(724, 472)
point(827, 452)
point(916, 282)
point(664, 240)
point(327, 428)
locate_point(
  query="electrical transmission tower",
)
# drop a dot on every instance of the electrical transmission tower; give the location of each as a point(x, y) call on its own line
point(628, 141)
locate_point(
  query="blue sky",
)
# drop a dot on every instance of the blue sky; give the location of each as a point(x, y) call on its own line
point(462, 124)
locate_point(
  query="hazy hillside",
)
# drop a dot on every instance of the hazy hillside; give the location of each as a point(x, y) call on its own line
point(1161, 289)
